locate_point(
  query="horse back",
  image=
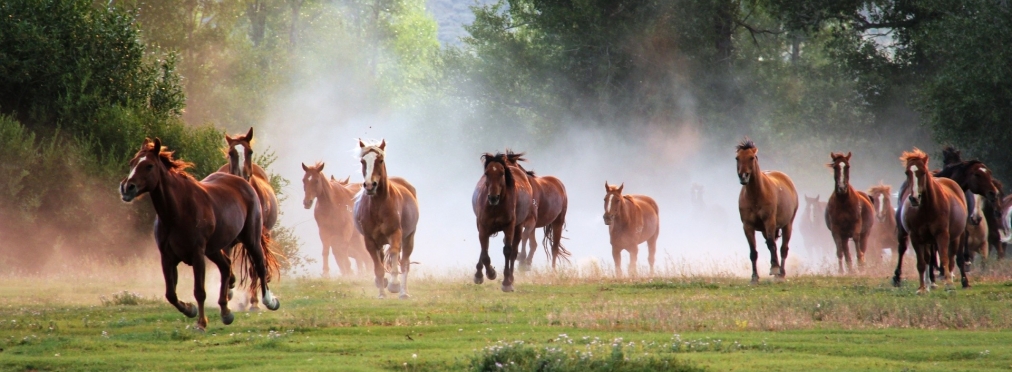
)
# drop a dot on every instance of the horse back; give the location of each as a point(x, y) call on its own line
point(648, 216)
point(956, 201)
point(550, 198)
point(407, 197)
point(524, 195)
point(233, 201)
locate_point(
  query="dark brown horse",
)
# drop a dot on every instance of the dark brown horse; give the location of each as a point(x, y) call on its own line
point(550, 203)
point(240, 163)
point(334, 219)
point(767, 203)
point(386, 213)
point(502, 201)
point(849, 214)
point(818, 239)
point(631, 220)
point(883, 232)
point(201, 219)
point(933, 213)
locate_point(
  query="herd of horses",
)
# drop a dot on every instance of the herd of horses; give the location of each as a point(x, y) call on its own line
point(228, 216)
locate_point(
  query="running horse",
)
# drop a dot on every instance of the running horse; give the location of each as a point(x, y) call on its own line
point(767, 203)
point(502, 201)
point(386, 213)
point(334, 219)
point(240, 163)
point(977, 231)
point(201, 219)
point(631, 220)
point(550, 203)
point(933, 212)
point(883, 232)
point(849, 214)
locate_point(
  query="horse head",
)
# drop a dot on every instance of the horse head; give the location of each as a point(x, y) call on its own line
point(978, 180)
point(977, 214)
point(147, 169)
point(916, 163)
point(498, 177)
point(747, 156)
point(612, 202)
point(240, 153)
point(951, 156)
point(374, 170)
point(841, 171)
point(880, 199)
point(311, 182)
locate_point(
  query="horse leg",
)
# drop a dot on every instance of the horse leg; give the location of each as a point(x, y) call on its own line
point(785, 239)
point(961, 262)
point(942, 240)
point(224, 267)
point(770, 234)
point(616, 254)
point(634, 251)
point(484, 261)
point(379, 273)
point(326, 256)
point(407, 247)
point(509, 250)
point(391, 260)
point(652, 250)
point(861, 247)
point(841, 250)
point(171, 277)
point(199, 270)
point(528, 259)
point(753, 253)
point(342, 254)
point(901, 248)
point(922, 264)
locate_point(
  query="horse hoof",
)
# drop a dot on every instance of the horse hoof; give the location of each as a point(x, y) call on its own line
point(394, 287)
point(922, 290)
point(478, 278)
point(227, 318)
point(404, 296)
point(199, 328)
point(490, 274)
point(896, 281)
point(382, 296)
point(191, 311)
point(755, 280)
point(274, 305)
point(775, 271)
point(507, 288)
point(253, 308)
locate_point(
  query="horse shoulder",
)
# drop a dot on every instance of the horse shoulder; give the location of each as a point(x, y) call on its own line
point(258, 171)
point(404, 184)
point(223, 169)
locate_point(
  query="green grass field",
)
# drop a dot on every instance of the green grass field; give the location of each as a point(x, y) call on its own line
point(720, 324)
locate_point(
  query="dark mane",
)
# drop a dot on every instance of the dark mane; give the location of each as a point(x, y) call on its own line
point(500, 158)
point(746, 144)
point(177, 166)
point(950, 155)
point(956, 170)
point(516, 158)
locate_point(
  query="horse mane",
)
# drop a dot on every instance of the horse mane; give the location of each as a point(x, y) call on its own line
point(500, 158)
point(955, 170)
point(372, 146)
point(516, 158)
point(912, 155)
point(885, 189)
point(177, 166)
point(746, 144)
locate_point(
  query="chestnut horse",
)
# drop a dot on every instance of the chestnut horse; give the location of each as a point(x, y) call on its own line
point(631, 220)
point(768, 202)
point(849, 214)
point(502, 201)
point(818, 240)
point(386, 213)
point(240, 163)
point(201, 219)
point(977, 232)
point(334, 219)
point(883, 232)
point(933, 213)
point(550, 202)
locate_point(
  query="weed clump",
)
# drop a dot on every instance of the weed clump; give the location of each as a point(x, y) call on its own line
point(125, 298)
point(518, 356)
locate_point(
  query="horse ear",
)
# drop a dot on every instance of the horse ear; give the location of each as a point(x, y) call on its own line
point(383, 144)
point(606, 188)
point(304, 167)
point(848, 155)
point(249, 135)
point(320, 169)
point(817, 197)
point(620, 187)
point(158, 145)
point(360, 143)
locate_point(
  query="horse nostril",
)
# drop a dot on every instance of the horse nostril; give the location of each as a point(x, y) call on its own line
point(131, 187)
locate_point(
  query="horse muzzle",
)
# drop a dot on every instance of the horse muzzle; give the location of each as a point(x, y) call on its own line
point(975, 220)
point(743, 178)
point(307, 203)
point(494, 200)
point(607, 220)
point(915, 202)
point(127, 191)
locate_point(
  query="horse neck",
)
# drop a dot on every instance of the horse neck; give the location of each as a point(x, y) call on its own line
point(164, 197)
point(932, 191)
point(758, 184)
point(627, 217)
point(383, 186)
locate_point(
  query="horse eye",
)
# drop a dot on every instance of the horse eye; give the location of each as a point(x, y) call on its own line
point(150, 166)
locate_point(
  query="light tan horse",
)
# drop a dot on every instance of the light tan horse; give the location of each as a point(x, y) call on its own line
point(977, 231)
point(631, 220)
point(336, 223)
point(767, 203)
point(386, 213)
point(883, 232)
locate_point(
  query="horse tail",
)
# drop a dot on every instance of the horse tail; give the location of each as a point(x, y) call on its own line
point(549, 241)
point(249, 260)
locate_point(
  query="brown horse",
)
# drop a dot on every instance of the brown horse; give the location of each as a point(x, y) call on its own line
point(334, 219)
point(849, 214)
point(201, 219)
point(818, 239)
point(977, 231)
point(933, 213)
point(386, 213)
point(631, 220)
point(550, 202)
point(883, 232)
point(767, 203)
point(240, 163)
point(502, 201)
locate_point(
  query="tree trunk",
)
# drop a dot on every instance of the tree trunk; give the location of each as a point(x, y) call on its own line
point(256, 10)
